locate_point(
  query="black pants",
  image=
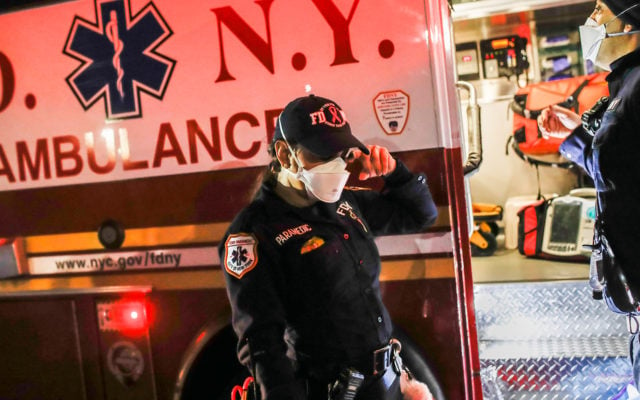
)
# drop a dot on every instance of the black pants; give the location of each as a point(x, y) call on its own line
point(373, 388)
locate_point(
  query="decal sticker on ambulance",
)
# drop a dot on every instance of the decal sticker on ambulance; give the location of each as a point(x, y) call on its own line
point(240, 254)
point(119, 57)
point(392, 111)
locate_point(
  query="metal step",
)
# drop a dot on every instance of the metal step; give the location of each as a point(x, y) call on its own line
point(549, 340)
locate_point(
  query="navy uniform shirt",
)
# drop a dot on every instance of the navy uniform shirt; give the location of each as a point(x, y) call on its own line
point(310, 274)
point(611, 158)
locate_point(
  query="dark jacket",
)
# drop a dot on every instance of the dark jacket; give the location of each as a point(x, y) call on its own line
point(611, 159)
point(310, 275)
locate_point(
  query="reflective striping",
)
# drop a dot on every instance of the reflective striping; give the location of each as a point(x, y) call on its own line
point(206, 278)
point(152, 237)
point(442, 220)
point(419, 243)
point(426, 268)
point(141, 237)
point(160, 280)
point(100, 290)
point(147, 259)
point(175, 258)
point(415, 256)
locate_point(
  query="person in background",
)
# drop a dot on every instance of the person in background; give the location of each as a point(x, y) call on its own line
point(301, 265)
point(605, 142)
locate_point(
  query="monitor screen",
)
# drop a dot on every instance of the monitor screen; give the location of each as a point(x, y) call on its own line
point(565, 223)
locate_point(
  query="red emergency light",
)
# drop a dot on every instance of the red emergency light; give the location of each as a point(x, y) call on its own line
point(128, 316)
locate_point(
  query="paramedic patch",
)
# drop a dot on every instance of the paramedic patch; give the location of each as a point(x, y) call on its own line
point(240, 254)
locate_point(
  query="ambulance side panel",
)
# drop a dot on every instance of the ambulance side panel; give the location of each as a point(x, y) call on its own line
point(132, 132)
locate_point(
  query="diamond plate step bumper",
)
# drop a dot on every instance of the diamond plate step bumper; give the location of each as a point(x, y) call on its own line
point(549, 340)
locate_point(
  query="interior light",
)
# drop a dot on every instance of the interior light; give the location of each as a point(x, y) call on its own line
point(499, 44)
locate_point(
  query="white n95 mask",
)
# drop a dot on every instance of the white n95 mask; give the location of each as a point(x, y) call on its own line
point(326, 181)
point(323, 182)
point(591, 37)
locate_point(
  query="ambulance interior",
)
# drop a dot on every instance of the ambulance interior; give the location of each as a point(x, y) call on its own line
point(541, 335)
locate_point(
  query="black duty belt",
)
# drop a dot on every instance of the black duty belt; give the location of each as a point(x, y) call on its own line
point(375, 364)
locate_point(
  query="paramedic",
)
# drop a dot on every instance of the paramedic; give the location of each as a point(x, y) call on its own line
point(300, 262)
point(608, 151)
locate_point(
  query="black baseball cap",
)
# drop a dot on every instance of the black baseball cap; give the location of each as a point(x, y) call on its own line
point(630, 10)
point(318, 124)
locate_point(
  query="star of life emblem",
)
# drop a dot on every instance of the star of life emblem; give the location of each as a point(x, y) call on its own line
point(240, 254)
point(120, 57)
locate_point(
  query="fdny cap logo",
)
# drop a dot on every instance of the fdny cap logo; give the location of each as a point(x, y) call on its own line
point(119, 57)
point(240, 254)
point(329, 114)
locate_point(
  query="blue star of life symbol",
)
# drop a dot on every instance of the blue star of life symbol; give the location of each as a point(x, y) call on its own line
point(239, 256)
point(119, 57)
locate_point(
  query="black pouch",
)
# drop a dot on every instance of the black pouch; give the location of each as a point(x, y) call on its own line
point(620, 295)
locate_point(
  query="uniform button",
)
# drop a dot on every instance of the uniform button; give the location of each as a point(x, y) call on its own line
point(346, 236)
point(367, 290)
point(380, 320)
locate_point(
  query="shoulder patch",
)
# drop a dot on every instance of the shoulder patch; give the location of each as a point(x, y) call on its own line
point(240, 254)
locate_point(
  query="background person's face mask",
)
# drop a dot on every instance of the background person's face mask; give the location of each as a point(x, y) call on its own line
point(592, 35)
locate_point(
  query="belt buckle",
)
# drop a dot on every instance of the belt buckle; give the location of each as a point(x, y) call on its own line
point(381, 359)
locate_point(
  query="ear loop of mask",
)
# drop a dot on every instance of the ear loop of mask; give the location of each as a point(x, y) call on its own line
point(608, 35)
point(347, 155)
point(293, 153)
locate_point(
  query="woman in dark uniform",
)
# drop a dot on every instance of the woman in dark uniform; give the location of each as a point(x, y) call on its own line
point(301, 265)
